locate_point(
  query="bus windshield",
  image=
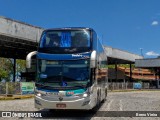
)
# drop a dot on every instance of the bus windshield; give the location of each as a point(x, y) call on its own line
point(65, 41)
point(69, 73)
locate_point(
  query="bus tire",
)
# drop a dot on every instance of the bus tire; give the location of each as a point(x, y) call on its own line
point(105, 98)
point(52, 110)
point(96, 107)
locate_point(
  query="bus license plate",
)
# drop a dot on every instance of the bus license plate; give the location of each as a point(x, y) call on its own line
point(61, 105)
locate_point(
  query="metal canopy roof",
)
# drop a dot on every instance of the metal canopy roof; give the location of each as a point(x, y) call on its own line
point(112, 61)
point(148, 63)
point(117, 56)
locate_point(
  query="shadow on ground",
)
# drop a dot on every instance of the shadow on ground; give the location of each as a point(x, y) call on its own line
point(68, 114)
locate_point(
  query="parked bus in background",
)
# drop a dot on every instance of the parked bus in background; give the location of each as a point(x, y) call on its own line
point(71, 70)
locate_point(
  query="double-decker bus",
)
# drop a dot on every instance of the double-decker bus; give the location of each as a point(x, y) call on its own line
point(71, 69)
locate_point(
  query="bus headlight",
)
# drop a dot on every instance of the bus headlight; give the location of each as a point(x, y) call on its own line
point(39, 94)
point(85, 95)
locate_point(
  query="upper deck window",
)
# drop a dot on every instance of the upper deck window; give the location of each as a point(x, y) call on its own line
point(65, 39)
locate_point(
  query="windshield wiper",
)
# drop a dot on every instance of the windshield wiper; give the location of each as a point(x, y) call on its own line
point(68, 78)
point(42, 85)
point(80, 86)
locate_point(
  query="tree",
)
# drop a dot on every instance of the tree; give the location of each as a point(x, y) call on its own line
point(21, 65)
point(6, 68)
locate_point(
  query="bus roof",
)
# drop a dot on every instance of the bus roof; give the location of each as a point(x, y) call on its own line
point(69, 28)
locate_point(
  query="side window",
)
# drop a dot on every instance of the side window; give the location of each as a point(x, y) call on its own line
point(43, 40)
point(47, 40)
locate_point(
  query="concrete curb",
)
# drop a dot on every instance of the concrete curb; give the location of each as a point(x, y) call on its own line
point(16, 97)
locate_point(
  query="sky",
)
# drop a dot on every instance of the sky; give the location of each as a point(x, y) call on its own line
point(130, 25)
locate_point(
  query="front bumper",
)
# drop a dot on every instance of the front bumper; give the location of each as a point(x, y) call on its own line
point(81, 104)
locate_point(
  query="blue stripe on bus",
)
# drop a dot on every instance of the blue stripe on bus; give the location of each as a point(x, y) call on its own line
point(63, 57)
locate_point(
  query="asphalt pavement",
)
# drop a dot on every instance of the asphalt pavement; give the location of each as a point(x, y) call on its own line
point(135, 103)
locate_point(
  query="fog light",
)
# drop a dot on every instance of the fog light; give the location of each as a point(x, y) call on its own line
point(85, 103)
point(37, 102)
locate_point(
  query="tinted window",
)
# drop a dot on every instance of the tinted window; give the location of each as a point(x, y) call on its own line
point(51, 39)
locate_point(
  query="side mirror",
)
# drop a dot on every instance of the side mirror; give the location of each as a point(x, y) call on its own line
point(93, 59)
point(29, 59)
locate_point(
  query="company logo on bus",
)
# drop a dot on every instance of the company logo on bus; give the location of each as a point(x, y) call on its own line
point(70, 93)
point(79, 55)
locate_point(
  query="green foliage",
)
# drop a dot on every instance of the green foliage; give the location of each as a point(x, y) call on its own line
point(6, 68)
point(111, 66)
point(127, 65)
point(3, 74)
point(21, 65)
point(122, 65)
